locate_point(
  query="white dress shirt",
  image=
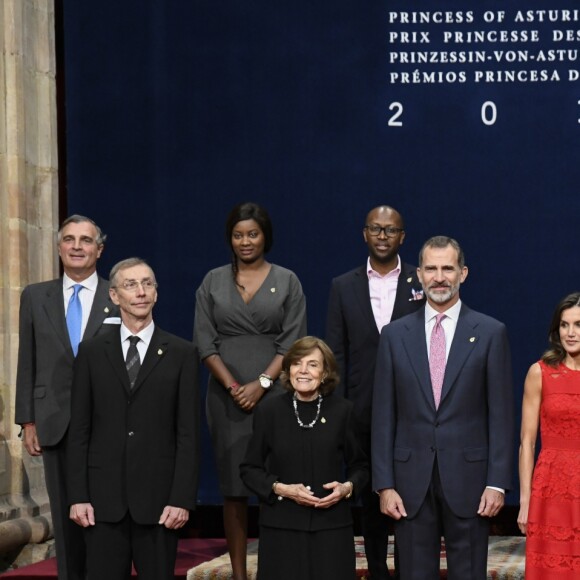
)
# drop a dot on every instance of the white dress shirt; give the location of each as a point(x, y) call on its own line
point(449, 324)
point(142, 346)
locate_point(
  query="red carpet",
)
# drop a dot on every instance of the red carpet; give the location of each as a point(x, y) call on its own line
point(191, 552)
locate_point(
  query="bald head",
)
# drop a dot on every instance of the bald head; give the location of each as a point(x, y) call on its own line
point(385, 212)
point(384, 234)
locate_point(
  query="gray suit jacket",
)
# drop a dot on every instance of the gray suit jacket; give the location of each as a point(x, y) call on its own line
point(471, 434)
point(45, 357)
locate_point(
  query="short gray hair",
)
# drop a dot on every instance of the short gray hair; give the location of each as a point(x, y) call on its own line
point(79, 219)
point(124, 265)
point(442, 242)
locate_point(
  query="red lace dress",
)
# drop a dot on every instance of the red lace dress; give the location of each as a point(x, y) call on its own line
point(553, 533)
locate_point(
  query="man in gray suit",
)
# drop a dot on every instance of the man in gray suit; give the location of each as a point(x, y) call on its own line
point(54, 317)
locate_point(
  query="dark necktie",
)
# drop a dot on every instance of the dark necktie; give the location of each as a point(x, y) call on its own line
point(74, 318)
point(437, 360)
point(133, 362)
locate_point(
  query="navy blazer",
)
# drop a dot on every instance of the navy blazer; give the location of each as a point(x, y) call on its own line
point(352, 334)
point(134, 450)
point(471, 433)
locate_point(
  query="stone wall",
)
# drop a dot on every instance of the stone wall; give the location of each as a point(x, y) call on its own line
point(28, 223)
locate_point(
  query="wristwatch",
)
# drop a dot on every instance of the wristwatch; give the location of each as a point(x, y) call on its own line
point(265, 381)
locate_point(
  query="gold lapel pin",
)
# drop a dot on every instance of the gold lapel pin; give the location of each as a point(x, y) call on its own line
point(272, 290)
point(323, 420)
point(159, 352)
point(106, 309)
point(409, 279)
point(472, 339)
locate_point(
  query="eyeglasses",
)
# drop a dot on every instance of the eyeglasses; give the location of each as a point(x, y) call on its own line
point(390, 231)
point(132, 285)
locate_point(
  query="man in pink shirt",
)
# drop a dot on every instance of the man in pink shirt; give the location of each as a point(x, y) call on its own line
point(361, 302)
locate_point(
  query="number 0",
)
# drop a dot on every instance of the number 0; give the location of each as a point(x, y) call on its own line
point(488, 113)
point(398, 108)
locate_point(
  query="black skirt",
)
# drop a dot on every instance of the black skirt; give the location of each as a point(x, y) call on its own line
point(292, 554)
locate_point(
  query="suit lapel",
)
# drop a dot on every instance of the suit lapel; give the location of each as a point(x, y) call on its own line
point(404, 295)
point(155, 353)
point(416, 346)
point(464, 341)
point(101, 308)
point(114, 353)
point(363, 297)
point(54, 308)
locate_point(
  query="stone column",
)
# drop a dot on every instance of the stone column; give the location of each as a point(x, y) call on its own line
point(28, 224)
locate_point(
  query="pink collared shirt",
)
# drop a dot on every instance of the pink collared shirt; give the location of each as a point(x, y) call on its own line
point(383, 290)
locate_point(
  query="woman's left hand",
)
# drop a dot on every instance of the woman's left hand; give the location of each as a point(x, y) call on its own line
point(339, 491)
point(248, 395)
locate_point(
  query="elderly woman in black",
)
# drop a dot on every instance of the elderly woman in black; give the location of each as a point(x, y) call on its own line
point(304, 462)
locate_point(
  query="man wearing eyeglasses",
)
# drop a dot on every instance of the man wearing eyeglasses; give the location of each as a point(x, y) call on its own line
point(361, 302)
point(132, 466)
point(54, 317)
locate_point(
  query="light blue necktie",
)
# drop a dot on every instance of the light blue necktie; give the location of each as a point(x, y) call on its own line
point(74, 318)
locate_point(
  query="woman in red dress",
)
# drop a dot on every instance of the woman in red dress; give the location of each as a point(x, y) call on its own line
point(550, 500)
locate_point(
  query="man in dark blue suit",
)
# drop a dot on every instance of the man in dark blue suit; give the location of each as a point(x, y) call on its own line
point(442, 425)
point(361, 302)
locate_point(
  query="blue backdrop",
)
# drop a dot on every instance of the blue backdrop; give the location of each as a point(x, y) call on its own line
point(175, 111)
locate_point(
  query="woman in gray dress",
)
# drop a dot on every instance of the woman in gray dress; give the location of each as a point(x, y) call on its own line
point(247, 316)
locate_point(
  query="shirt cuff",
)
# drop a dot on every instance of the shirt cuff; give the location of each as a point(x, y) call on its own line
point(501, 490)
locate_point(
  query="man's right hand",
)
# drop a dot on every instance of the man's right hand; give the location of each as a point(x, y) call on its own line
point(82, 514)
point(30, 440)
point(392, 504)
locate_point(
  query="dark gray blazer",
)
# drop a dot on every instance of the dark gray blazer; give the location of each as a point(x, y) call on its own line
point(352, 334)
point(471, 433)
point(45, 357)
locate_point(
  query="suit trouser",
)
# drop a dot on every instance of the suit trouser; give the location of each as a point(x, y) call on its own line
point(419, 540)
point(375, 526)
point(112, 547)
point(68, 536)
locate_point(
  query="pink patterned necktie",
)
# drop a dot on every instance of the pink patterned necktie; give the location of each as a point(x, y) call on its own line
point(437, 358)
